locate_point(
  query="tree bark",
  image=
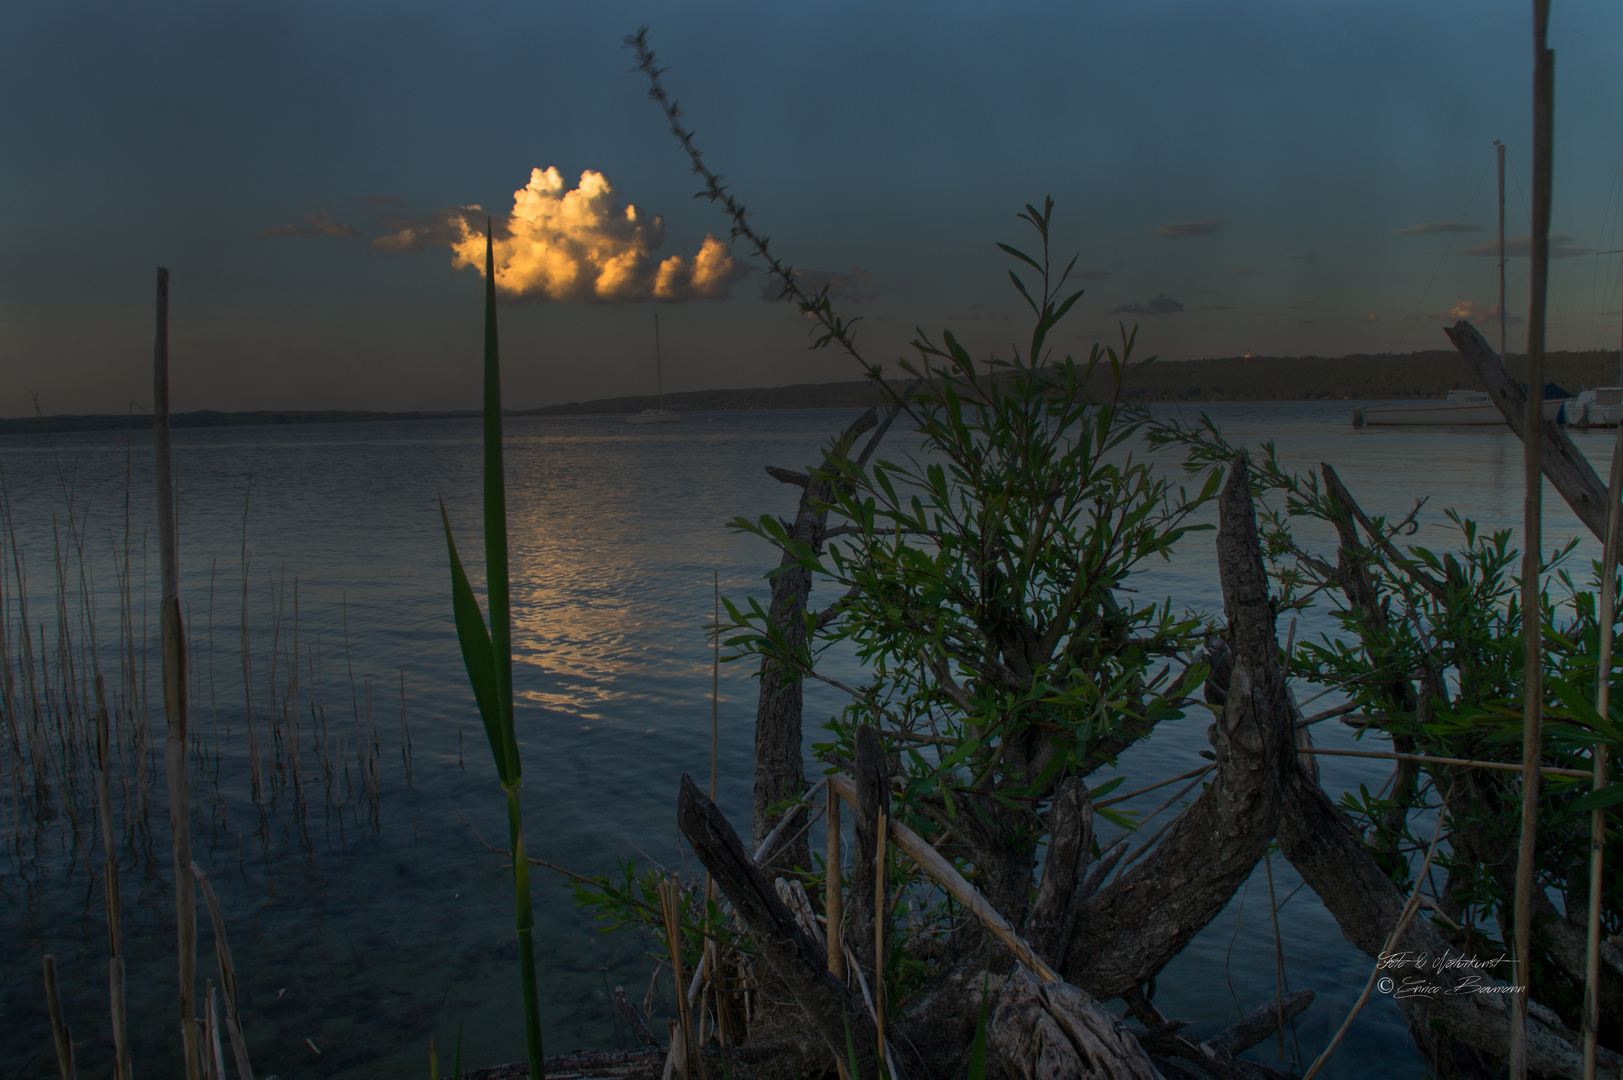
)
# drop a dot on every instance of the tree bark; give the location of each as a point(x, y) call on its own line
point(1053, 1031)
point(1129, 930)
point(1070, 846)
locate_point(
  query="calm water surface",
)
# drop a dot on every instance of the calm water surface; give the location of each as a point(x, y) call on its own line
point(375, 916)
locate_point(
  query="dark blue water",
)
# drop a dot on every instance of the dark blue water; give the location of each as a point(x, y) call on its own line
point(373, 915)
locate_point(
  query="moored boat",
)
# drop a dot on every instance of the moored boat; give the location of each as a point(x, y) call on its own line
point(1600, 407)
point(1460, 407)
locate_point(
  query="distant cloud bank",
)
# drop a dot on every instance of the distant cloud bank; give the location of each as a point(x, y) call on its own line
point(1429, 227)
point(319, 223)
point(1521, 247)
point(574, 244)
point(1184, 230)
point(1160, 305)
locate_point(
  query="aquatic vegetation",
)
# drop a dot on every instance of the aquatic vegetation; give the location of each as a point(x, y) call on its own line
point(488, 653)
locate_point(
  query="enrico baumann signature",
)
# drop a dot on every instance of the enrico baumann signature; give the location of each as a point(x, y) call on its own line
point(1413, 986)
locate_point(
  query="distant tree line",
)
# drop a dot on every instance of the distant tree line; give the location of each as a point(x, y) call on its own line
point(1359, 377)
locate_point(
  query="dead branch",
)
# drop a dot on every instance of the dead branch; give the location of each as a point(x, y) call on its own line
point(1131, 928)
point(796, 958)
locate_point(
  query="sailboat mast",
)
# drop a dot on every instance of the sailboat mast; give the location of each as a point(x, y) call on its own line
point(659, 367)
point(1503, 317)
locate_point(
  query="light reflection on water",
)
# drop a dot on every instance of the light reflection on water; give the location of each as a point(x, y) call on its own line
point(365, 936)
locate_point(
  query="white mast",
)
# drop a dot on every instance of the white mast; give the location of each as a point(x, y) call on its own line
point(1503, 317)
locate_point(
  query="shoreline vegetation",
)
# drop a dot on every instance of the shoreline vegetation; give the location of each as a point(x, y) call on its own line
point(1357, 377)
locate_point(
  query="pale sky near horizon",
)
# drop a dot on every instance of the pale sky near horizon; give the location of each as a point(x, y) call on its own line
point(1285, 178)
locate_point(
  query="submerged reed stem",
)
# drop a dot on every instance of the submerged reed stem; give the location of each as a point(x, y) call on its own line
point(174, 688)
point(59, 1027)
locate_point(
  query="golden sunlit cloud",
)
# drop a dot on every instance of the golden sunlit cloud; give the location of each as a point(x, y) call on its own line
point(576, 244)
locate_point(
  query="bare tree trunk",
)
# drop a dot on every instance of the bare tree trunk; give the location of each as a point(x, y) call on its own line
point(779, 758)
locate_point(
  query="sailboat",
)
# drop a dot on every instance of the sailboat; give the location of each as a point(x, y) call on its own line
point(1473, 407)
point(661, 415)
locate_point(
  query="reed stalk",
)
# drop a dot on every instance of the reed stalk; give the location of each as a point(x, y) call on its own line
point(228, 976)
point(59, 1026)
point(174, 688)
point(1603, 706)
point(115, 937)
point(689, 1060)
point(487, 653)
point(1533, 676)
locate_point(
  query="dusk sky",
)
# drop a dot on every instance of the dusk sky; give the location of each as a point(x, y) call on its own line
point(1291, 178)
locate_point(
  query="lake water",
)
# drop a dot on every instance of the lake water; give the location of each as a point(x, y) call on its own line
point(372, 915)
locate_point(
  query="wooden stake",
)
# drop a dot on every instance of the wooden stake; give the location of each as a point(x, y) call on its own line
point(879, 919)
point(174, 689)
point(834, 904)
point(1532, 678)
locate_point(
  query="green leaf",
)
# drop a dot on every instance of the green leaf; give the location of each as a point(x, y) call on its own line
point(1606, 796)
point(977, 1049)
point(476, 652)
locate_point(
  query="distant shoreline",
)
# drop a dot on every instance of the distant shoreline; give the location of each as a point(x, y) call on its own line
point(1363, 377)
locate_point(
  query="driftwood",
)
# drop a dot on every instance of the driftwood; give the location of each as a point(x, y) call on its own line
point(1259, 1023)
point(1131, 928)
point(779, 770)
point(1565, 466)
point(740, 1063)
point(796, 957)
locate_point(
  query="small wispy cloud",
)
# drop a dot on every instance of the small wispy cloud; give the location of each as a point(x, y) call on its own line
point(842, 284)
point(1370, 318)
point(1160, 305)
point(1426, 228)
point(1185, 230)
point(319, 223)
point(1521, 247)
point(1468, 310)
